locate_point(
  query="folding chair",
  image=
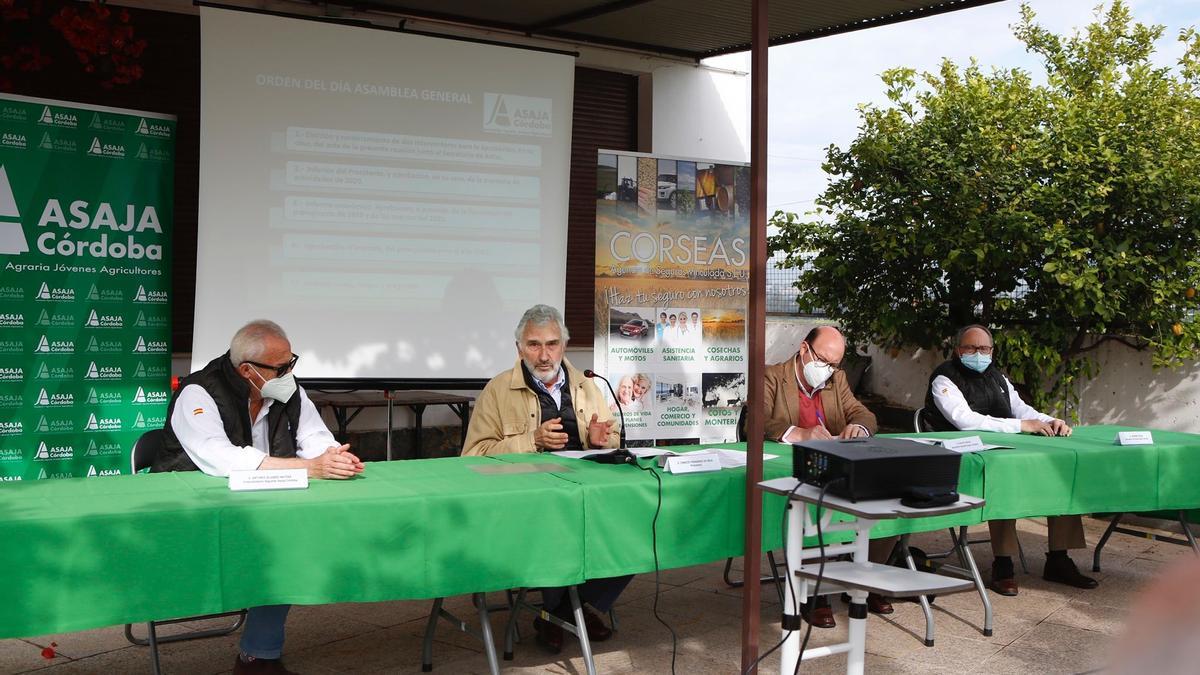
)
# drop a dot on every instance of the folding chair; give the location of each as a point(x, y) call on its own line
point(147, 447)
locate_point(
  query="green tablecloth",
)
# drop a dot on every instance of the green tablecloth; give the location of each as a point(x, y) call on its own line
point(83, 553)
point(92, 552)
point(1084, 473)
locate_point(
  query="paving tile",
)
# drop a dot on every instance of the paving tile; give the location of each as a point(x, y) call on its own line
point(950, 655)
point(388, 650)
point(1013, 660)
point(87, 643)
point(203, 657)
point(1079, 614)
point(1078, 648)
point(18, 656)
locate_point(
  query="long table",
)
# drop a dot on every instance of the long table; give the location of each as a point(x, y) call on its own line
point(343, 402)
point(83, 553)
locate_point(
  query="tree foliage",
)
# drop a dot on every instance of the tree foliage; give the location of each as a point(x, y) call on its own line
point(1065, 213)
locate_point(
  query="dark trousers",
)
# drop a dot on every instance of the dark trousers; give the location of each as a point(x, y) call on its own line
point(599, 593)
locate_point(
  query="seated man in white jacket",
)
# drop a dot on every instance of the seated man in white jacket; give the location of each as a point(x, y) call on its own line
point(968, 392)
point(244, 411)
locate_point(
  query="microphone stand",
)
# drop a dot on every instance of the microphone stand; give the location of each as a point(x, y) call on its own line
point(620, 411)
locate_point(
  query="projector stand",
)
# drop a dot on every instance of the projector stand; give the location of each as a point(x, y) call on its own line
point(857, 578)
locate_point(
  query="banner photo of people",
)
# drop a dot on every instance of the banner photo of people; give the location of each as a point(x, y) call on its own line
point(672, 282)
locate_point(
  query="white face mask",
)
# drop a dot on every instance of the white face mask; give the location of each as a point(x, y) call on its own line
point(816, 373)
point(279, 388)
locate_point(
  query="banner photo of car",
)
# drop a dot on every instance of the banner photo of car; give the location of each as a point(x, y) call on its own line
point(672, 282)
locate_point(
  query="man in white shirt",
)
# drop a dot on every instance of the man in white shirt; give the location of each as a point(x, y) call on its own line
point(244, 411)
point(968, 392)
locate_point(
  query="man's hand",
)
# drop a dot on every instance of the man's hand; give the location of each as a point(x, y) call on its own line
point(549, 435)
point(598, 431)
point(852, 431)
point(1060, 428)
point(817, 433)
point(337, 463)
point(1036, 427)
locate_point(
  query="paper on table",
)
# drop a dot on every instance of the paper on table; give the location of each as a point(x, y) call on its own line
point(642, 453)
point(579, 454)
point(938, 442)
point(733, 459)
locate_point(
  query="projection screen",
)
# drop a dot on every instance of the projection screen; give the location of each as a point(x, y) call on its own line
point(394, 201)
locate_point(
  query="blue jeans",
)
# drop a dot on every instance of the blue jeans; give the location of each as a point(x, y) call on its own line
point(262, 636)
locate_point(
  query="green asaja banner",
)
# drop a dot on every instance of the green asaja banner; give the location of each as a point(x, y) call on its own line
point(85, 221)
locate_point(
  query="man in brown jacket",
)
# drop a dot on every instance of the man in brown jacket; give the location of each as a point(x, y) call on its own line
point(807, 398)
point(544, 404)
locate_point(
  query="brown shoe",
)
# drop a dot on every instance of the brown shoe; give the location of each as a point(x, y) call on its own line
point(1062, 570)
point(1004, 586)
point(549, 636)
point(596, 630)
point(876, 604)
point(818, 613)
point(260, 667)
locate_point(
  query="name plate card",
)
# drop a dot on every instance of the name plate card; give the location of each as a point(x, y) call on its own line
point(268, 479)
point(692, 462)
point(1134, 438)
point(967, 444)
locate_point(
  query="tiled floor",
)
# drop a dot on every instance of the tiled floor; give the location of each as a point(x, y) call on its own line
point(1046, 629)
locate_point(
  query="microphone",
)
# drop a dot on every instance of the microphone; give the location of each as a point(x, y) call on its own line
point(589, 373)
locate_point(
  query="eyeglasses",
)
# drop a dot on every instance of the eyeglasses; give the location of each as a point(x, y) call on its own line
point(971, 349)
point(279, 371)
point(822, 360)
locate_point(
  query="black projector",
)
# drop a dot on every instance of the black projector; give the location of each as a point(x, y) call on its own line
point(876, 468)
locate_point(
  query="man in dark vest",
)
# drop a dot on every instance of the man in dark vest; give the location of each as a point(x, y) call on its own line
point(244, 411)
point(544, 404)
point(968, 392)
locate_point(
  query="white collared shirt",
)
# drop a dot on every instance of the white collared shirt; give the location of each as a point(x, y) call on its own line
point(555, 390)
point(198, 426)
point(953, 405)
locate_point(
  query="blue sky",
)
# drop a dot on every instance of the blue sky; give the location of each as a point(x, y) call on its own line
point(816, 86)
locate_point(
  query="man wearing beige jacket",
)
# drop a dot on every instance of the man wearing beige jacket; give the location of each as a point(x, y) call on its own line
point(544, 404)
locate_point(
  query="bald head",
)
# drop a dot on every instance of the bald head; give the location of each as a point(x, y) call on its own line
point(974, 338)
point(825, 343)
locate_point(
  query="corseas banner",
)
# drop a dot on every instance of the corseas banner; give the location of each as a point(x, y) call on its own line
point(672, 281)
point(85, 236)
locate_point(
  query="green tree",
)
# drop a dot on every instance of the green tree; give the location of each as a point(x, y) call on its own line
point(1066, 214)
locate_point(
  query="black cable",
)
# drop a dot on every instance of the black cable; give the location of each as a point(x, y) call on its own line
point(820, 570)
point(654, 545)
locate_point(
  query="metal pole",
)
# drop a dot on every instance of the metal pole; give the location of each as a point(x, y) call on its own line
point(756, 329)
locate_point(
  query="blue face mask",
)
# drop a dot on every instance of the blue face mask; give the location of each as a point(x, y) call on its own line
point(976, 362)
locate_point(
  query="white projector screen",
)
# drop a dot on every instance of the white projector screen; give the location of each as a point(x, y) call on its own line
point(394, 201)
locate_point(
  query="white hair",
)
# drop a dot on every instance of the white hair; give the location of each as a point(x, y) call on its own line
point(249, 343)
point(540, 315)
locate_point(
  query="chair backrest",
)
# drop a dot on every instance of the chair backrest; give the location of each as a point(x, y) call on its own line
point(145, 450)
point(920, 424)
